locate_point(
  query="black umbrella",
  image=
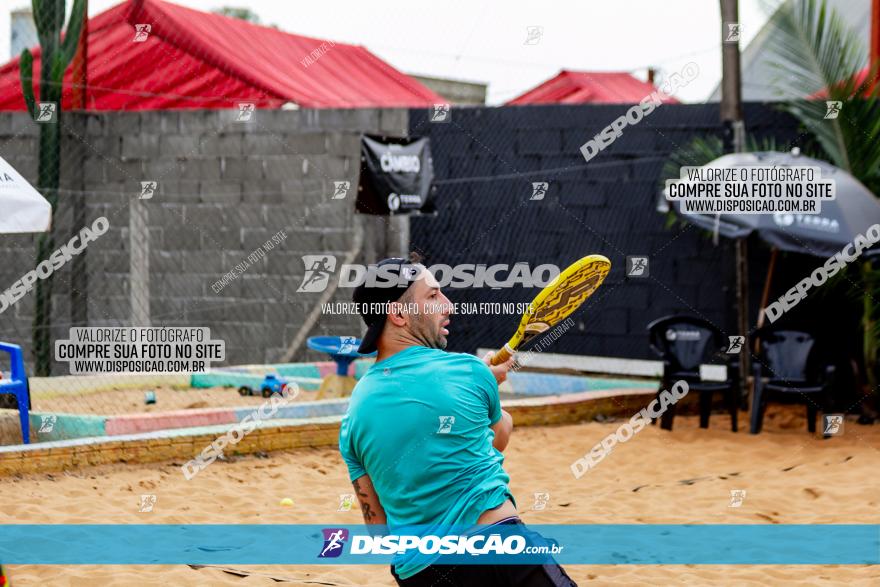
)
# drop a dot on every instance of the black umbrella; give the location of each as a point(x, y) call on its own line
point(851, 213)
point(853, 210)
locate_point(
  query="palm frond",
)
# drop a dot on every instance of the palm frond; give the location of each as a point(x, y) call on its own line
point(814, 49)
point(816, 53)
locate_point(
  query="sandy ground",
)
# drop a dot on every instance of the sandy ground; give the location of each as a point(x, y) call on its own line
point(657, 477)
point(131, 401)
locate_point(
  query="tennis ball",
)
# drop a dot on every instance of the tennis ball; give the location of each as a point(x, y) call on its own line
point(286, 501)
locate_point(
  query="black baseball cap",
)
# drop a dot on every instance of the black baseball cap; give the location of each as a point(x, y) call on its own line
point(384, 282)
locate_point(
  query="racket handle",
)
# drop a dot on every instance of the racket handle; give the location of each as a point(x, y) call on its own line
point(502, 355)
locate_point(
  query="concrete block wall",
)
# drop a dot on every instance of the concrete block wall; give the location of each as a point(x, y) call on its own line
point(224, 188)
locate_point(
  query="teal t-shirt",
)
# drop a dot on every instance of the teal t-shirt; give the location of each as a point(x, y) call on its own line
point(418, 425)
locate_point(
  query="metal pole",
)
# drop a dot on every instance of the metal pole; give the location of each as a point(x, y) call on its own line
point(397, 236)
point(734, 141)
point(731, 85)
point(139, 282)
point(79, 285)
point(765, 295)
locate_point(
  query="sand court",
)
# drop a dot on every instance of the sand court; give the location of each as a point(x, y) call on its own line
point(789, 477)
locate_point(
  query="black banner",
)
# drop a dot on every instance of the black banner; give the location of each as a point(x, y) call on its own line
point(396, 176)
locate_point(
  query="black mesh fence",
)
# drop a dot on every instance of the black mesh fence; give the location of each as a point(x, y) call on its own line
point(488, 162)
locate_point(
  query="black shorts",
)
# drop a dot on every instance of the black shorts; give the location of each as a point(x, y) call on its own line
point(547, 575)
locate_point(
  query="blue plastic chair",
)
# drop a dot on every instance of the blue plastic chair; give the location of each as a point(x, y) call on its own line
point(17, 386)
point(342, 349)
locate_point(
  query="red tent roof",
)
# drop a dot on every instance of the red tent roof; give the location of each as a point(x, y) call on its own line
point(860, 81)
point(194, 59)
point(589, 87)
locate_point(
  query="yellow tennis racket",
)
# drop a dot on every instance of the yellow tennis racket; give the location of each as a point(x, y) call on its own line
point(557, 301)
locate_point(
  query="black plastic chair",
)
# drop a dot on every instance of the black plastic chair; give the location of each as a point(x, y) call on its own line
point(788, 366)
point(684, 343)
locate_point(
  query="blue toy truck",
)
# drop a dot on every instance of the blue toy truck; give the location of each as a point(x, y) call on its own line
point(271, 384)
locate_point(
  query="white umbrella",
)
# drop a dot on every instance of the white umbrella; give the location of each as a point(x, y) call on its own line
point(22, 208)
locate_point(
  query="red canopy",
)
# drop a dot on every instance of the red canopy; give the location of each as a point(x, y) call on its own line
point(860, 81)
point(193, 59)
point(586, 87)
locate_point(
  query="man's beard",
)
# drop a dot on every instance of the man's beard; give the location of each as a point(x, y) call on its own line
point(426, 332)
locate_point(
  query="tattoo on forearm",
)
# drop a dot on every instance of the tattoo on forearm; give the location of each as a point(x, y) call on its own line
point(364, 497)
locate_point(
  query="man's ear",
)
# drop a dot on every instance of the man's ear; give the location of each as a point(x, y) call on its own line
point(395, 314)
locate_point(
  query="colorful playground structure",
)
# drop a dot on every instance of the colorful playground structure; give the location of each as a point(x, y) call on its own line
point(76, 440)
point(535, 387)
point(67, 440)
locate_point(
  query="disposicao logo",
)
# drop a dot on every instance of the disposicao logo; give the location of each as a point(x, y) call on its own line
point(320, 268)
point(334, 540)
point(53, 262)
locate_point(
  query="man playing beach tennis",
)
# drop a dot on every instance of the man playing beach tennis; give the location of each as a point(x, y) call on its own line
point(424, 431)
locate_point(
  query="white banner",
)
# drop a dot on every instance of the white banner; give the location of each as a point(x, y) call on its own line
point(22, 208)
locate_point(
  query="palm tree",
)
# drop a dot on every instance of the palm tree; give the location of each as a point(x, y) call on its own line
point(822, 58)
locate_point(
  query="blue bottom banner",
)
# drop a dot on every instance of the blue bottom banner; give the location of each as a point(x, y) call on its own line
point(575, 544)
